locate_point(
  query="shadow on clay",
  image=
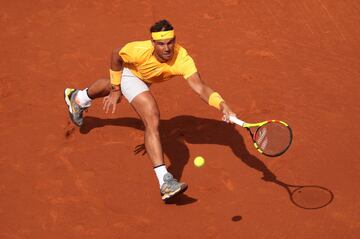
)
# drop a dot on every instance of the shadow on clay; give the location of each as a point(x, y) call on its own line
point(178, 131)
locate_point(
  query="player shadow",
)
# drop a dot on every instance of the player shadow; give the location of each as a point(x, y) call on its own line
point(181, 130)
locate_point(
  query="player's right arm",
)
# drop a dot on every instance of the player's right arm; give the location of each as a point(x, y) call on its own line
point(207, 94)
point(116, 68)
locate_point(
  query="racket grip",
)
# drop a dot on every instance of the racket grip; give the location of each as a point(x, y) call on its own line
point(237, 121)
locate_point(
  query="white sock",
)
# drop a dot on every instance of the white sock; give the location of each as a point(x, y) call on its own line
point(82, 98)
point(160, 172)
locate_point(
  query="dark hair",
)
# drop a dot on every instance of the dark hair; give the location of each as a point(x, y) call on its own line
point(162, 25)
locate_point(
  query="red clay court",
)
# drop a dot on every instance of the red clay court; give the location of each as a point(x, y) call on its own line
point(291, 60)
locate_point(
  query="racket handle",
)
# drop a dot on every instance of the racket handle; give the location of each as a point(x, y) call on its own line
point(236, 120)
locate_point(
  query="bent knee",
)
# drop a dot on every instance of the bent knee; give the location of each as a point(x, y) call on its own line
point(152, 120)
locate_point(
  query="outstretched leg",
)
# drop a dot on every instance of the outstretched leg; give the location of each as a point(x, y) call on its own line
point(146, 106)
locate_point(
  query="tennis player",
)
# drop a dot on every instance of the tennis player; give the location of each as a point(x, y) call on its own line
point(133, 69)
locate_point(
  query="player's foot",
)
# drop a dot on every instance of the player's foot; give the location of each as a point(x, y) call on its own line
point(75, 110)
point(171, 187)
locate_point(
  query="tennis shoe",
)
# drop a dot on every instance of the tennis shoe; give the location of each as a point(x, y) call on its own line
point(171, 187)
point(75, 110)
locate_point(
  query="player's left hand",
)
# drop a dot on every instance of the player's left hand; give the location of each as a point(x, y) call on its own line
point(227, 112)
point(111, 100)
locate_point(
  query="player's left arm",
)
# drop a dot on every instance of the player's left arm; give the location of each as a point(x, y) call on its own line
point(209, 95)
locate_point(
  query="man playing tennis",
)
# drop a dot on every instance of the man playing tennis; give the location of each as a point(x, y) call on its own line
point(133, 69)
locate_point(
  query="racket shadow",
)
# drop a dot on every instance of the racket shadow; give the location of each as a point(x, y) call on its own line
point(308, 196)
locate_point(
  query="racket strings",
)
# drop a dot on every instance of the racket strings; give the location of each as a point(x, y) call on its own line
point(273, 138)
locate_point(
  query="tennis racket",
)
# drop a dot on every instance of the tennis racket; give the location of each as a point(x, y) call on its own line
point(271, 138)
point(309, 196)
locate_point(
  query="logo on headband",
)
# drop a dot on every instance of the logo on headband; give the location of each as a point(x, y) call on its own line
point(163, 35)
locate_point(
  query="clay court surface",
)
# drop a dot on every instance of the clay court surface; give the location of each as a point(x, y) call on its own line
point(291, 60)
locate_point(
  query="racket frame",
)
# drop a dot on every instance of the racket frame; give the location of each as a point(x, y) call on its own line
point(248, 126)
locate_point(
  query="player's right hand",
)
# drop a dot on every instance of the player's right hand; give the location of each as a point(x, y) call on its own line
point(111, 100)
point(227, 112)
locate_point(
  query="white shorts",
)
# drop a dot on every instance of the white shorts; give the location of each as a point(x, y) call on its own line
point(131, 85)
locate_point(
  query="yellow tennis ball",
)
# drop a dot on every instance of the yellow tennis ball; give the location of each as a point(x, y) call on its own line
point(199, 161)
